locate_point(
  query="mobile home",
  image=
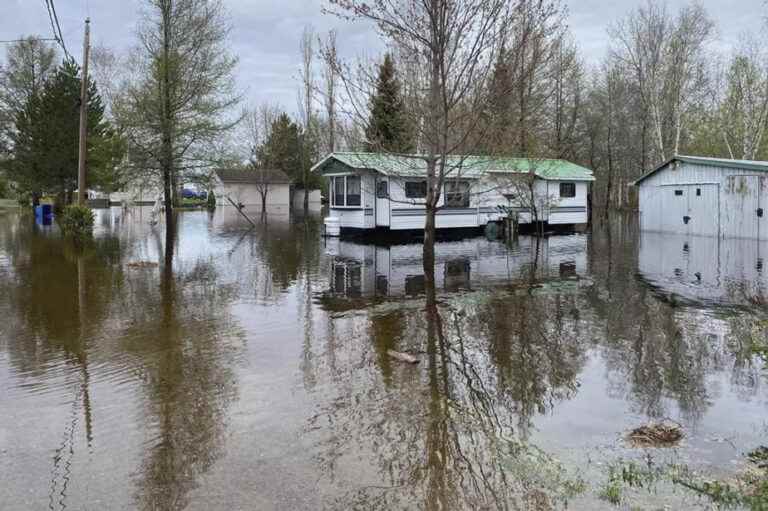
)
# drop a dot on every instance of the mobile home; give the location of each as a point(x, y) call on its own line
point(706, 197)
point(373, 190)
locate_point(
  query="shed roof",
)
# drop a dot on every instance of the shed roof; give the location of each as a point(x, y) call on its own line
point(250, 176)
point(760, 166)
point(465, 166)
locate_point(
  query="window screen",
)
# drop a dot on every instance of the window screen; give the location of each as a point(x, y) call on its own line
point(567, 190)
point(382, 190)
point(353, 190)
point(415, 189)
point(338, 191)
point(457, 194)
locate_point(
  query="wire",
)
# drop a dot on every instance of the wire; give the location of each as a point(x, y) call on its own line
point(11, 41)
point(55, 27)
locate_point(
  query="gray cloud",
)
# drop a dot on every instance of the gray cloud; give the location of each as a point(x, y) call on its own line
point(265, 33)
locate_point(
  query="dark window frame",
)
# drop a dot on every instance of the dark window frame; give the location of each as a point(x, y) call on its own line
point(567, 190)
point(415, 193)
point(382, 192)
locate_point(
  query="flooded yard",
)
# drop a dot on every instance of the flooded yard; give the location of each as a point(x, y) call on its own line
point(252, 371)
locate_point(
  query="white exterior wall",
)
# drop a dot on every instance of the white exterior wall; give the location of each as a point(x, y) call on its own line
point(279, 195)
point(717, 200)
point(484, 197)
point(404, 215)
point(561, 210)
point(356, 217)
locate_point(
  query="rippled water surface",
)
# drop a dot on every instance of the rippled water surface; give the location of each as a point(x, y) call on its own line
point(250, 369)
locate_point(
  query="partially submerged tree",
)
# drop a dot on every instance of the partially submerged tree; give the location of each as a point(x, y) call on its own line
point(45, 138)
point(180, 99)
point(450, 48)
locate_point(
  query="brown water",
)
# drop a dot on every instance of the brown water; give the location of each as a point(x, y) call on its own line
point(253, 373)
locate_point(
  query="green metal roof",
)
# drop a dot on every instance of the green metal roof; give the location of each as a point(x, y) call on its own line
point(760, 166)
point(464, 166)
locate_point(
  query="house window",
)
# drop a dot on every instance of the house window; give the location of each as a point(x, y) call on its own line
point(338, 191)
point(457, 194)
point(678, 192)
point(382, 190)
point(353, 190)
point(567, 190)
point(698, 192)
point(415, 189)
point(346, 191)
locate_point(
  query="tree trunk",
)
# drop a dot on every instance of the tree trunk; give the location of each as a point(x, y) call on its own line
point(167, 140)
point(429, 246)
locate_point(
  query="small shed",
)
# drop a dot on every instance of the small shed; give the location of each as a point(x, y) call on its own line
point(706, 197)
point(245, 186)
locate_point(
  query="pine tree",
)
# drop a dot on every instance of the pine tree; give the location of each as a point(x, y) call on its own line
point(388, 128)
point(47, 135)
point(282, 150)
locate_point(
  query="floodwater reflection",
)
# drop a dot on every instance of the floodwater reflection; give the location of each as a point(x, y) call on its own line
point(249, 368)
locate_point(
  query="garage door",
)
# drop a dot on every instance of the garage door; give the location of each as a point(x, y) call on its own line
point(691, 209)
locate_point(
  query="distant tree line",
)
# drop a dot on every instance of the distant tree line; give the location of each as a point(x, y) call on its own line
point(497, 77)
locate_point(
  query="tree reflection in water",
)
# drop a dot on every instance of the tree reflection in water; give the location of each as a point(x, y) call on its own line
point(444, 434)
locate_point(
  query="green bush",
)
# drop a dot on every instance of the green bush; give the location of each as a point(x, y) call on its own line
point(77, 221)
point(211, 202)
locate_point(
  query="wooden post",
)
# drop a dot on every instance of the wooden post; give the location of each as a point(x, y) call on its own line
point(81, 184)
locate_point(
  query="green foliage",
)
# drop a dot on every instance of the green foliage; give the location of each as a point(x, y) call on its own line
point(76, 221)
point(288, 148)
point(211, 201)
point(46, 138)
point(388, 128)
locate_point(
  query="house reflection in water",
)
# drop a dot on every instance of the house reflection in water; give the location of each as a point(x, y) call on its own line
point(705, 269)
point(367, 270)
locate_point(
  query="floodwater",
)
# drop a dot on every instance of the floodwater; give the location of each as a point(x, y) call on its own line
point(252, 371)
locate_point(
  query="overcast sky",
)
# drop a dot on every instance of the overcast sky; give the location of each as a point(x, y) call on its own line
point(266, 33)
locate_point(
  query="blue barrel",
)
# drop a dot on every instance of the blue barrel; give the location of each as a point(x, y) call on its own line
point(44, 214)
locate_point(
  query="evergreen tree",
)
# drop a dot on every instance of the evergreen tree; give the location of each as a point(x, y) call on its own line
point(286, 148)
point(388, 128)
point(46, 138)
point(499, 109)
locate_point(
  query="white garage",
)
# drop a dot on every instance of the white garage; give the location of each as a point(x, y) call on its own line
point(705, 197)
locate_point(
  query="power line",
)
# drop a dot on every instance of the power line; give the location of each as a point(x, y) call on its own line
point(11, 41)
point(55, 27)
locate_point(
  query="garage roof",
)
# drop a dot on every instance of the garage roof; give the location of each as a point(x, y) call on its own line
point(760, 166)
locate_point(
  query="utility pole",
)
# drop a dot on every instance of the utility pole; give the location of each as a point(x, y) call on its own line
point(81, 185)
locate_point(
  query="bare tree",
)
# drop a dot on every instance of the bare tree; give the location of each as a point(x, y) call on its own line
point(449, 49)
point(744, 111)
point(179, 99)
point(258, 124)
point(329, 54)
point(306, 102)
point(28, 64)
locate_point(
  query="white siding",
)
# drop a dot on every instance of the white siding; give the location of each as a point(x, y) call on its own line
point(717, 201)
point(406, 213)
point(277, 196)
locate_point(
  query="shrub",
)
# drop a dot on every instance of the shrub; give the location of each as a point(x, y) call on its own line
point(77, 221)
point(211, 201)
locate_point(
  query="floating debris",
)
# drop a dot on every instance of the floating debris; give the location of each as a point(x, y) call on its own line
point(403, 357)
point(656, 435)
point(142, 264)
